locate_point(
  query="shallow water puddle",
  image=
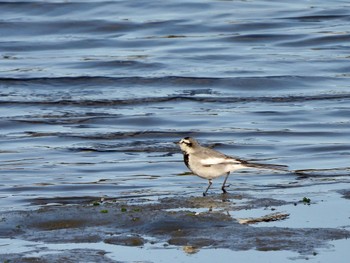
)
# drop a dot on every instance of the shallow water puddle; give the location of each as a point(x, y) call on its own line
point(322, 209)
point(337, 251)
point(325, 214)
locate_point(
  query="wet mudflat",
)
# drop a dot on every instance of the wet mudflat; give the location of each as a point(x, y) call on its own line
point(128, 230)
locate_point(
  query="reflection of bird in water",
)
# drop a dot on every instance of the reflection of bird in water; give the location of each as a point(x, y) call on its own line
point(210, 164)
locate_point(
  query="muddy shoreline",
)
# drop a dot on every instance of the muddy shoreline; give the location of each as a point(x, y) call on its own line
point(190, 223)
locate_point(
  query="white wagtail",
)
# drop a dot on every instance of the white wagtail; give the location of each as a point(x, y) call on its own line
point(210, 164)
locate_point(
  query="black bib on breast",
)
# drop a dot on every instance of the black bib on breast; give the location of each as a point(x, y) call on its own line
point(186, 157)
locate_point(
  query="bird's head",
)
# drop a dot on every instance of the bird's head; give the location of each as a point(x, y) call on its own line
point(188, 144)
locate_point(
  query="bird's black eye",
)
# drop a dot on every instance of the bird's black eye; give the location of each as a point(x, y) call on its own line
point(189, 144)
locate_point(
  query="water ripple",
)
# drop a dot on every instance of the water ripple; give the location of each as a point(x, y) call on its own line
point(98, 91)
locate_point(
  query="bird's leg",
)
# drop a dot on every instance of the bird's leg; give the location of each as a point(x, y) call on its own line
point(224, 184)
point(205, 192)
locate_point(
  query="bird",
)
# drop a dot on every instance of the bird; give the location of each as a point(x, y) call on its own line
point(209, 164)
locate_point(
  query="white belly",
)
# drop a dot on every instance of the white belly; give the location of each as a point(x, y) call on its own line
point(212, 171)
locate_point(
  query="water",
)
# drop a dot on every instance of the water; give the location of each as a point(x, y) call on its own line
point(124, 254)
point(94, 93)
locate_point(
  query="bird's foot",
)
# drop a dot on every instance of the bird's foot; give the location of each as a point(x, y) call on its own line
point(223, 188)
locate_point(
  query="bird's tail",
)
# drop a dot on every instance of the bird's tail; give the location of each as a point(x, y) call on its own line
point(278, 167)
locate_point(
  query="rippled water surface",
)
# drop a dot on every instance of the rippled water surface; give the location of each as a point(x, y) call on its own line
point(94, 93)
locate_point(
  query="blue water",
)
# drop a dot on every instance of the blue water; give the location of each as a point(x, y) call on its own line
point(94, 93)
